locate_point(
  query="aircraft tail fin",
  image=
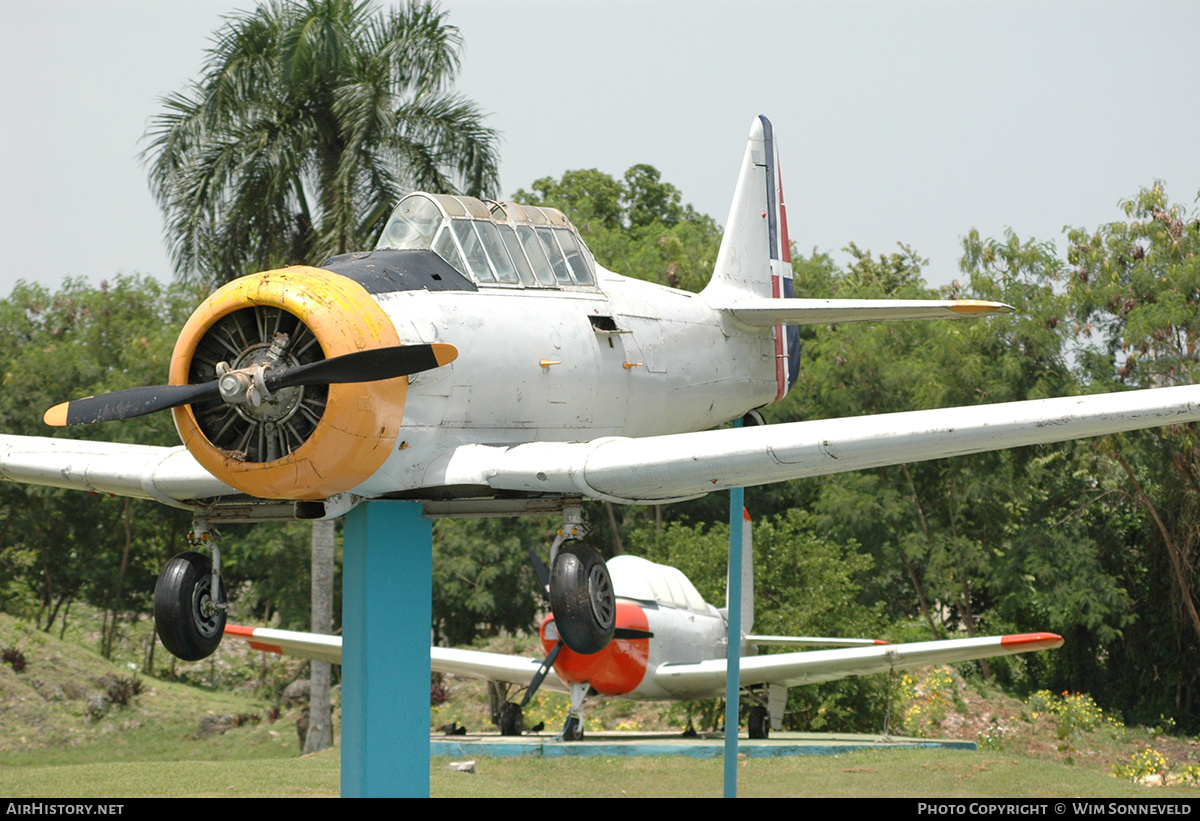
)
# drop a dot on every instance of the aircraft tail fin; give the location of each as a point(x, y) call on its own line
point(755, 258)
point(747, 575)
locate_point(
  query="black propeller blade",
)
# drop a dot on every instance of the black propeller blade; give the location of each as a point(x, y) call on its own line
point(129, 403)
point(540, 675)
point(631, 633)
point(543, 572)
point(362, 366)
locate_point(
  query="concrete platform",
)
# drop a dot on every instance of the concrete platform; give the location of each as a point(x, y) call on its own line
point(616, 744)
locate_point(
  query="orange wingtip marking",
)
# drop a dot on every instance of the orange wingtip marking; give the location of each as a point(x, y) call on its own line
point(881, 641)
point(56, 417)
point(443, 353)
point(1032, 641)
point(980, 306)
point(266, 648)
point(238, 630)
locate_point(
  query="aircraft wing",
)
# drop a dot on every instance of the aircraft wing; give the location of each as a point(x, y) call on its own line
point(290, 642)
point(656, 469)
point(815, 666)
point(168, 475)
point(468, 663)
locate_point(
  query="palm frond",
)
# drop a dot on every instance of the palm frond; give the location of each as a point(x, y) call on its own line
point(311, 118)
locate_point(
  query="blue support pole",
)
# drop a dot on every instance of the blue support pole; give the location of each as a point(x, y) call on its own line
point(387, 577)
point(733, 649)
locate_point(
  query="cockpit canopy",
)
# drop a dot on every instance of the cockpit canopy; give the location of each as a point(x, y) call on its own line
point(494, 243)
point(636, 578)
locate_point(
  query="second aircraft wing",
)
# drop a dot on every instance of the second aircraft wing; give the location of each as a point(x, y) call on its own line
point(469, 663)
point(815, 666)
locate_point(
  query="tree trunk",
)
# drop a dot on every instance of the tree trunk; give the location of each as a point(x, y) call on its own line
point(320, 726)
point(618, 546)
point(912, 572)
point(1178, 566)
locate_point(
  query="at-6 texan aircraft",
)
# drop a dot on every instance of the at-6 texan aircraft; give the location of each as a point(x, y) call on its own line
point(668, 644)
point(480, 361)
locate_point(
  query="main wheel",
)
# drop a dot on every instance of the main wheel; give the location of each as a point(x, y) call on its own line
point(581, 598)
point(759, 724)
point(512, 721)
point(189, 622)
point(574, 729)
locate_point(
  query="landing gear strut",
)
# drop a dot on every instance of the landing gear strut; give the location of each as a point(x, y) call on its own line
point(573, 727)
point(188, 614)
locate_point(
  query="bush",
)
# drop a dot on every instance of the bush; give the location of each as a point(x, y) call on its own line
point(13, 658)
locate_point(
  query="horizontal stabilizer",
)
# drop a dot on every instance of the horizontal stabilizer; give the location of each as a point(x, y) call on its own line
point(766, 313)
point(811, 641)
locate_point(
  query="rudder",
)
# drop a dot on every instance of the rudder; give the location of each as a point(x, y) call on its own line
point(755, 257)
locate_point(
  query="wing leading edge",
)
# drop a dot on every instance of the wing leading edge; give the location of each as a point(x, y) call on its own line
point(168, 475)
point(816, 666)
point(658, 469)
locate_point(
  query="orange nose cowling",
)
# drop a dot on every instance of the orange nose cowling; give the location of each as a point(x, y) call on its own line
point(617, 669)
point(361, 420)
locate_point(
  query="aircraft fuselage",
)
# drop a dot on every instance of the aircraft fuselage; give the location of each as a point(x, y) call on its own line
point(682, 629)
point(627, 359)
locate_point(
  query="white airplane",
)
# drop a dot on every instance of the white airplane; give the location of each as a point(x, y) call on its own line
point(480, 361)
point(669, 645)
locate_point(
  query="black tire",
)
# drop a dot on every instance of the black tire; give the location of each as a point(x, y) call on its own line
point(512, 720)
point(581, 598)
point(183, 588)
point(759, 724)
point(573, 731)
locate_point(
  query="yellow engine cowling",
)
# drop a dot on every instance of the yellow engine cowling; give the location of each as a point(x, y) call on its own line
point(342, 444)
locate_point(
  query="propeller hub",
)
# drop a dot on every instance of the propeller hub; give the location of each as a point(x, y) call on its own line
point(247, 393)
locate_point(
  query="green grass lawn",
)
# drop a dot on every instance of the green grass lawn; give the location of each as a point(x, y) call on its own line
point(53, 746)
point(878, 773)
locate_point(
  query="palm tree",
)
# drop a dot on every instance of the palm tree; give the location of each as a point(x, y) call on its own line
point(312, 119)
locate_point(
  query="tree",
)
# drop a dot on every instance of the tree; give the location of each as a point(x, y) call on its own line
point(311, 119)
point(57, 546)
point(636, 227)
point(1135, 293)
point(483, 582)
point(648, 199)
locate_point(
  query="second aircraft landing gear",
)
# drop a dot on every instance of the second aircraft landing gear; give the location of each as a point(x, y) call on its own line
point(189, 602)
point(512, 720)
point(759, 723)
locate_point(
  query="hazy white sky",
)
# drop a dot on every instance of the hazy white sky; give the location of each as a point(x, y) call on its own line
point(896, 121)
